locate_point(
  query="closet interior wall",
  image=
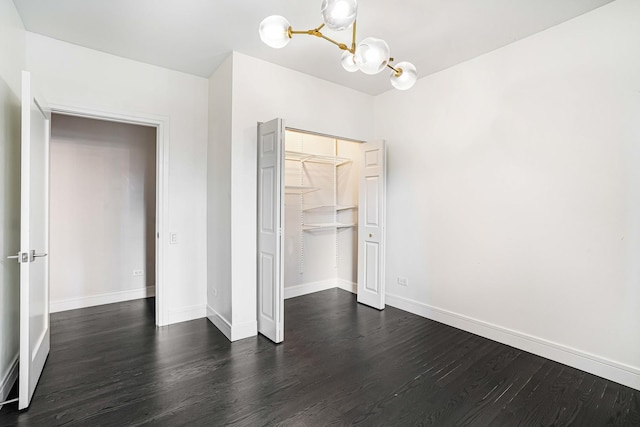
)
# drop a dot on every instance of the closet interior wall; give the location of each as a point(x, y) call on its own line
point(321, 196)
point(348, 180)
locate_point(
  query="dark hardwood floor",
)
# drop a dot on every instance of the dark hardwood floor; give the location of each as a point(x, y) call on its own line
point(341, 364)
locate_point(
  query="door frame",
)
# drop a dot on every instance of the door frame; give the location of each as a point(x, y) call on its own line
point(161, 124)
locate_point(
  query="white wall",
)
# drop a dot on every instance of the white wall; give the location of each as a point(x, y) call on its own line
point(79, 77)
point(262, 91)
point(219, 197)
point(513, 188)
point(12, 62)
point(102, 212)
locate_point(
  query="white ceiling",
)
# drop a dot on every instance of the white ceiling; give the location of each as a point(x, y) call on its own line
point(195, 36)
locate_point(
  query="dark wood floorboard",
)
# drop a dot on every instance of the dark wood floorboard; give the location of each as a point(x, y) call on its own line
point(341, 364)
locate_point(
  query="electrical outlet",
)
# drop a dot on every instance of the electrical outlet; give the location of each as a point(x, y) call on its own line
point(138, 272)
point(173, 238)
point(403, 281)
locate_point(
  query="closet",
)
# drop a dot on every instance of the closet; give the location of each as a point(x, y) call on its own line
point(320, 220)
point(320, 223)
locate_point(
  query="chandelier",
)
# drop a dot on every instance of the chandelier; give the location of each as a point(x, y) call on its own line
point(371, 55)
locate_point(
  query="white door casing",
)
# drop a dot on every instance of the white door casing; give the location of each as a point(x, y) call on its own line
point(34, 241)
point(270, 230)
point(371, 225)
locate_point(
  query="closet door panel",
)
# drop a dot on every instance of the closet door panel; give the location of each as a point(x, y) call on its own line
point(371, 229)
point(270, 224)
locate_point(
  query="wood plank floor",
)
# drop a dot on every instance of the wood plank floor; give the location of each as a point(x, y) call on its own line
point(341, 364)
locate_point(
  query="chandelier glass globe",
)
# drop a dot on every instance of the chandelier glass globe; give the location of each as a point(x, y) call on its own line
point(339, 14)
point(348, 62)
point(407, 77)
point(274, 31)
point(372, 55)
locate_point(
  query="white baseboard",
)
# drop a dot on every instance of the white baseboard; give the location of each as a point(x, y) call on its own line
point(232, 332)
point(219, 322)
point(348, 286)
point(308, 288)
point(241, 331)
point(9, 378)
point(93, 300)
point(609, 369)
point(185, 314)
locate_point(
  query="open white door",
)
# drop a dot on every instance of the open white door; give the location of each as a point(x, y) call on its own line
point(270, 230)
point(371, 225)
point(34, 241)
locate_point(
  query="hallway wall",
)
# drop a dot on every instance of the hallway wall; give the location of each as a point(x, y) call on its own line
point(102, 207)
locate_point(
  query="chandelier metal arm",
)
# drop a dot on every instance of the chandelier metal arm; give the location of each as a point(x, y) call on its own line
point(316, 32)
point(353, 38)
point(398, 71)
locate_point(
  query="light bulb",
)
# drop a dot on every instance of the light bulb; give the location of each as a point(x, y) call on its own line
point(372, 55)
point(407, 77)
point(348, 62)
point(274, 31)
point(339, 14)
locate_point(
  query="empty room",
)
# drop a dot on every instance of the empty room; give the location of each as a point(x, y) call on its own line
point(260, 213)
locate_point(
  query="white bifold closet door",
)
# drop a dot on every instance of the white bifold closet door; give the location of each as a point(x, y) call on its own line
point(270, 230)
point(371, 225)
point(34, 241)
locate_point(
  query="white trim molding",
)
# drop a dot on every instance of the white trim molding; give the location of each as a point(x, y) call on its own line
point(101, 299)
point(600, 366)
point(219, 322)
point(348, 286)
point(9, 379)
point(308, 288)
point(184, 314)
point(244, 330)
point(323, 285)
point(232, 332)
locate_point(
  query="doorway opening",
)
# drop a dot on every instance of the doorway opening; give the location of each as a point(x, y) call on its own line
point(102, 210)
point(321, 215)
point(106, 210)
